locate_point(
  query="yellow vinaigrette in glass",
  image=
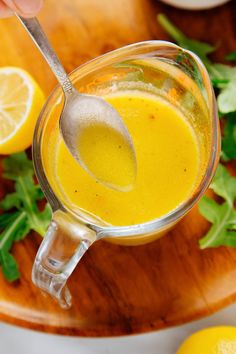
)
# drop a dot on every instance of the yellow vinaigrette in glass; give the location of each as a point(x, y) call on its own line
point(107, 155)
point(168, 163)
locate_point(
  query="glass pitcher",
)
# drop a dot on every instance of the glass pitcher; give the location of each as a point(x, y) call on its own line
point(153, 66)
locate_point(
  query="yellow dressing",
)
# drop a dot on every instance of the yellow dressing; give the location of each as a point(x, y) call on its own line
point(107, 156)
point(168, 164)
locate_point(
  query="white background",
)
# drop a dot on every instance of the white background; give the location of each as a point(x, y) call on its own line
point(15, 340)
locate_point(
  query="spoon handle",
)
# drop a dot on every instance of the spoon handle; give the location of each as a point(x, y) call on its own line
point(36, 32)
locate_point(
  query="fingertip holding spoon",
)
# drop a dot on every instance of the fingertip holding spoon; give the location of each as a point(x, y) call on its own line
point(92, 129)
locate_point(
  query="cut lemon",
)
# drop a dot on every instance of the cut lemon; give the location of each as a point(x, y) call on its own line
point(21, 100)
point(214, 340)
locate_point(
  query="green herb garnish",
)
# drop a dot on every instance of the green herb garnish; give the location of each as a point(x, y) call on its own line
point(223, 77)
point(200, 48)
point(22, 213)
point(231, 56)
point(222, 216)
point(229, 138)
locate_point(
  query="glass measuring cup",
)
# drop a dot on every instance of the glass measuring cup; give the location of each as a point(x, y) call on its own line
point(157, 67)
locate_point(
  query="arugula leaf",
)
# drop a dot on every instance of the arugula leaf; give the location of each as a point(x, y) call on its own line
point(218, 82)
point(231, 56)
point(17, 165)
point(19, 168)
point(224, 184)
point(26, 191)
point(10, 201)
point(15, 231)
point(6, 219)
point(222, 76)
point(222, 216)
point(200, 48)
point(223, 72)
point(229, 138)
point(226, 99)
point(25, 215)
point(9, 266)
point(39, 195)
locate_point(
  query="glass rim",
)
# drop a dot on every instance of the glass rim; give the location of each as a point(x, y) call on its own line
point(154, 224)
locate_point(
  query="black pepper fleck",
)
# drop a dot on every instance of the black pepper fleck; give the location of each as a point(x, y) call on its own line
point(151, 116)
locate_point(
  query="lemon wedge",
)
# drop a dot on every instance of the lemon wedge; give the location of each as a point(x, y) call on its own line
point(21, 100)
point(214, 340)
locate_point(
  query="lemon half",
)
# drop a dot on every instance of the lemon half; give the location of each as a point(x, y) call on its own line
point(21, 101)
point(214, 340)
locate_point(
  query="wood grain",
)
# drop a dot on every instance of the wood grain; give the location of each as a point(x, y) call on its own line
point(116, 289)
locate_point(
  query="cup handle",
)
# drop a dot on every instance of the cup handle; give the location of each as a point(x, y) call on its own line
point(63, 246)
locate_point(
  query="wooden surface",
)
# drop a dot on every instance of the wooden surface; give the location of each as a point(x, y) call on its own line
point(120, 290)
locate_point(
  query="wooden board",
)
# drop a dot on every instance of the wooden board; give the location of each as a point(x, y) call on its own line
point(120, 290)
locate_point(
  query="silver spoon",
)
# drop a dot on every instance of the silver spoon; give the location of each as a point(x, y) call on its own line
point(81, 111)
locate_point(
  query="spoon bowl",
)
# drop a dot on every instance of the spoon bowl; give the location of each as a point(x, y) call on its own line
point(98, 139)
